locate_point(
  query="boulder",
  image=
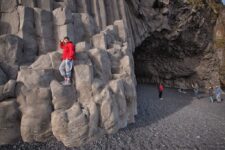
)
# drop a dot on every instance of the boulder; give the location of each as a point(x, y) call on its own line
point(126, 65)
point(110, 36)
point(11, 49)
point(11, 22)
point(62, 16)
point(9, 122)
point(109, 112)
point(121, 30)
point(63, 96)
point(131, 98)
point(36, 107)
point(43, 62)
point(36, 78)
point(11, 54)
point(118, 91)
point(8, 90)
point(70, 126)
point(83, 77)
point(97, 87)
point(94, 119)
point(101, 62)
point(7, 5)
point(83, 74)
point(115, 56)
point(99, 41)
point(56, 58)
point(48, 61)
point(10, 71)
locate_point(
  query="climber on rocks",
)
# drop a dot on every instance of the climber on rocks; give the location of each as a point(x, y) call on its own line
point(68, 57)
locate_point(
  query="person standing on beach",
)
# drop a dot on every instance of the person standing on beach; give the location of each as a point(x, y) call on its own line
point(210, 92)
point(195, 89)
point(218, 92)
point(160, 89)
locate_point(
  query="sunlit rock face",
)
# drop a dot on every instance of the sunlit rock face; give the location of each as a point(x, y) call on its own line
point(34, 106)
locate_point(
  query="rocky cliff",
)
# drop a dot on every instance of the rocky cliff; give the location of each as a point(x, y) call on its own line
point(180, 47)
point(33, 104)
point(173, 41)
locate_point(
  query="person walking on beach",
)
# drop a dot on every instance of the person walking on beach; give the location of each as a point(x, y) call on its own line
point(218, 92)
point(195, 89)
point(160, 89)
point(68, 57)
point(210, 92)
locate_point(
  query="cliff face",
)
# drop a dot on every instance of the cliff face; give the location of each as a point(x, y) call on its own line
point(33, 104)
point(179, 48)
point(172, 41)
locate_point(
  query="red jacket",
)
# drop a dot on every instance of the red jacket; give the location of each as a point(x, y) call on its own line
point(68, 50)
point(161, 87)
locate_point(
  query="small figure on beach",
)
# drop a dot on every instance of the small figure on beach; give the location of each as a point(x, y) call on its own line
point(210, 92)
point(195, 87)
point(181, 90)
point(218, 91)
point(160, 89)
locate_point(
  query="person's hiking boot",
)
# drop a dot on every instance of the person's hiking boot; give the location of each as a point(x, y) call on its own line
point(67, 82)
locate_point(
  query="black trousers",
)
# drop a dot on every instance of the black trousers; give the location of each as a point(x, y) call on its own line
point(160, 94)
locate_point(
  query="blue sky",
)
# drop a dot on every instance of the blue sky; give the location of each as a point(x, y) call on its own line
point(223, 1)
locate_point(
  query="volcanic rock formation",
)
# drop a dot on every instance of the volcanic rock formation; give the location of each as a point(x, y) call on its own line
point(174, 41)
point(34, 105)
point(179, 49)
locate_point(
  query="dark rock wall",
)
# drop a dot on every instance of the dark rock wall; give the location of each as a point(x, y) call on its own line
point(178, 46)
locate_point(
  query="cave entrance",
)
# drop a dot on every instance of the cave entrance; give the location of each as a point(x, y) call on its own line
point(154, 61)
point(178, 63)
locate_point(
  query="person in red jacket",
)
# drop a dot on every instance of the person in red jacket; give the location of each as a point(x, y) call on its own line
point(161, 89)
point(68, 57)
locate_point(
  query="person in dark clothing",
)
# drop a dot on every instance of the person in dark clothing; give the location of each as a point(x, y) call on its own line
point(210, 93)
point(160, 89)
